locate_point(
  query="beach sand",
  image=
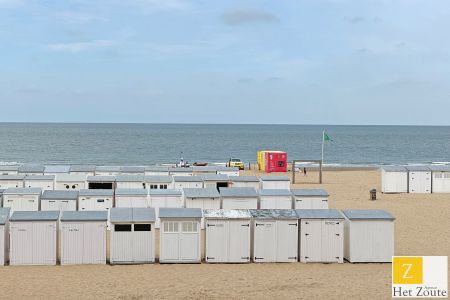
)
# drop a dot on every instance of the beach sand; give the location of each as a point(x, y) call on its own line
point(422, 228)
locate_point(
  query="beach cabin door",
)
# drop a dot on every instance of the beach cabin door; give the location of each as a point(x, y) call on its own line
point(311, 240)
point(21, 235)
point(142, 244)
point(332, 241)
point(216, 241)
point(239, 241)
point(122, 241)
point(265, 241)
point(189, 241)
point(72, 238)
point(170, 244)
point(287, 241)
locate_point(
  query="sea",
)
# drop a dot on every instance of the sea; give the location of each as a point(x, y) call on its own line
point(146, 144)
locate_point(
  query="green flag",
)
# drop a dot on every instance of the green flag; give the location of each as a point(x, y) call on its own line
point(326, 137)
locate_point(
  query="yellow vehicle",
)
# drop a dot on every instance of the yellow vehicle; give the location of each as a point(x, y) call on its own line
point(236, 163)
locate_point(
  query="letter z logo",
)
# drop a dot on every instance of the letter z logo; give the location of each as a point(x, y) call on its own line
point(407, 270)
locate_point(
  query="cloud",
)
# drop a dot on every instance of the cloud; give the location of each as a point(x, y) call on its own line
point(11, 3)
point(78, 17)
point(241, 16)
point(80, 46)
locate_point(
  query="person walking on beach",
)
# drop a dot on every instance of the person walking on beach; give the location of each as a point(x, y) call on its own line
point(304, 171)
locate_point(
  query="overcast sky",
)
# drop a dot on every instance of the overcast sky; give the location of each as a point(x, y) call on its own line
point(176, 61)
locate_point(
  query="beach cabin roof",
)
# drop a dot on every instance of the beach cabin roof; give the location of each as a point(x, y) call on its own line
point(132, 169)
point(280, 214)
point(96, 192)
point(82, 168)
point(164, 192)
point(181, 169)
point(319, 214)
point(9, 168)
point(12, 177)
point(158, 178)
point(275, 192)
point(4, 215)
point(107, 168)
point(165, 212)
point(201, 193)
point(224, 168)
point(310, 192)
point(132, 215)
point(227, 214)
point(40, 177)
point(215, 177)
point(418, 169)
point(244, 178)
point(275, 178)
point(129, 178)
point(23, 216)
point(74, 216)
point(24, 191)
point(240, 192)
point(71, 177)
point(101, 178)
point(367, 214)
point(440, 168)
point(394, 168)
point(31, 168)
point(131, 192)
point(57, 169)
point(59, 195)
point(156, 168)
point(204, 168)
point(187, 179)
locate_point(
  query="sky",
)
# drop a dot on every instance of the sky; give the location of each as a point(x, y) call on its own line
point(180, 61)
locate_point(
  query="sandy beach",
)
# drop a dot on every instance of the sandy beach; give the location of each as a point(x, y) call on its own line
point(422, 228)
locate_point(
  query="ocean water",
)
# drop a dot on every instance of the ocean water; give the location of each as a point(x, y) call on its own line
point(143, 144)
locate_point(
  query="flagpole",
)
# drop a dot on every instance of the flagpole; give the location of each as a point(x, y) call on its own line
point(323, 142)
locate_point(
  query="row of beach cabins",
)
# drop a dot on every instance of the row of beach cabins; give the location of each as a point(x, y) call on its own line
point(415, 179)
point(230, 236)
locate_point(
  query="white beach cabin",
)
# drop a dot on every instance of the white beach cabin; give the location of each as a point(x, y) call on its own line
point(132, 170)
point(321, 235)
point(204, 170)
point(95, 199)
point(130, 182)
point(419, 179)
point(56, 169)
point(394, 179)
point(33, 237)
point(239, 198)
point(180, 235)
point(88, 170)
point(107, 170)
point(181, 171)
point(216, 181)
point(227, 236)
point(31, 169)
point(45, 182)
point(154, 182)
point(73, 182)
point(440, 182)
point(310, 198)
point(368, 235)
point(208, 198)
point(4, 235)
point(7, 181)
point(22, 199)
point(59, 200)
point(132, 198)
point(275, 182)
point(1, 197)
point(83, 237)
point(157, 171)
point(275, 199)
point(165, 198)
point(132, 238)
point(275, 235)
point(230, 171)
point(9, 170)
point(101, 182)
point(245, 181)
point(183, 182)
